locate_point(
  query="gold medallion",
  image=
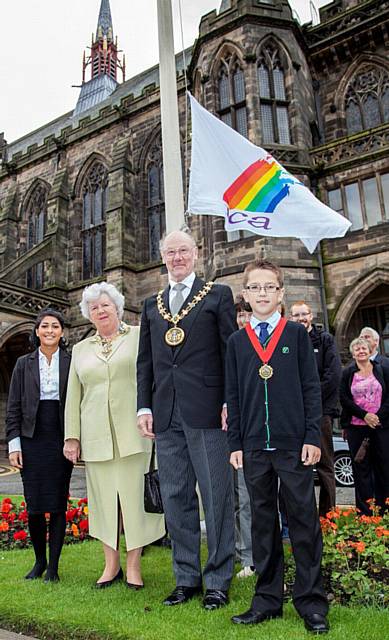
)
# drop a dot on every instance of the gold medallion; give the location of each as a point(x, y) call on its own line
point(174, 336)
point(265, 372)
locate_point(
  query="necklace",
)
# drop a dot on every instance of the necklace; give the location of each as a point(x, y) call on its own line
point(175, 335)
point(106, 343)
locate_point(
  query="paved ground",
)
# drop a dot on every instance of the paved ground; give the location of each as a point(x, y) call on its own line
point(11, 483)
point(8, 635)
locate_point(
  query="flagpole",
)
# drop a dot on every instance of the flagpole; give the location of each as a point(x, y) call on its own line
point(171, 149)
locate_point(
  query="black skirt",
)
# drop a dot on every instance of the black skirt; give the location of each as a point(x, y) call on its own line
point(46, 472)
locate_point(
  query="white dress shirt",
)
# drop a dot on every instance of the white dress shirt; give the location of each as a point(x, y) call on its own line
point(272, 321)
point(49, 387)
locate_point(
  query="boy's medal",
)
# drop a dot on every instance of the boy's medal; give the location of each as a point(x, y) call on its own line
point(266, 371)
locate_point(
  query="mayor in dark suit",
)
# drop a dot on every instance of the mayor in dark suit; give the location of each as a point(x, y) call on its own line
point(35, 433)
point(180, 372)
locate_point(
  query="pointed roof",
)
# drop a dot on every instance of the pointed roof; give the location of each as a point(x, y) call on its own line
point(105, 19)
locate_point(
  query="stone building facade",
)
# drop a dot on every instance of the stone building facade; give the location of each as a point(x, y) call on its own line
point(81, 198)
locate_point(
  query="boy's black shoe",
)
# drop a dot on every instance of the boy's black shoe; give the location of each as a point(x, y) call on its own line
point(255, 617)
point(316, 623)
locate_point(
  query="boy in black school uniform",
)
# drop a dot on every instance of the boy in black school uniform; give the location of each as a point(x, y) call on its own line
point(274, 411)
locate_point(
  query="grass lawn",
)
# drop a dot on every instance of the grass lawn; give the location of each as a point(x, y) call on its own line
point(72, 609)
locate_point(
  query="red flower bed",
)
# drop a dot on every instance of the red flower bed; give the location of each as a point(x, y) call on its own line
point(14, 523)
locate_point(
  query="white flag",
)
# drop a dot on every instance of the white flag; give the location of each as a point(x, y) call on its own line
point(233, 178)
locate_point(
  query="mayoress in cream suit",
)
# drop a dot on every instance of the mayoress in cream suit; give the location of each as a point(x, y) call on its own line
point(100, 428)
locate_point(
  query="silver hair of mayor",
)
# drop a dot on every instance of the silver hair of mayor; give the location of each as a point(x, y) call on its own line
point(93, 293)
point(184, 229)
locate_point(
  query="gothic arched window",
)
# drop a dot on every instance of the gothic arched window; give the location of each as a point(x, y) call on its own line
point(232, 95)
point(155, 205)
point(367, 99)
point(94, 205)
point(273, 98)
point(36, 214)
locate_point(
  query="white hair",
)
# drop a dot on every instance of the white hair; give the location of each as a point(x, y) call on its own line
point(93, 293)
point(185, 232)
point(372, 332)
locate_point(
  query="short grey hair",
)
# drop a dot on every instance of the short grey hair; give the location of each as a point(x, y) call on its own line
point(372, 332)
point(359, 341)
point(185, 231)
point(93, 293)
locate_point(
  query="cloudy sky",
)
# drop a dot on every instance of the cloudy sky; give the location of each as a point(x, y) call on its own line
point(42, 42)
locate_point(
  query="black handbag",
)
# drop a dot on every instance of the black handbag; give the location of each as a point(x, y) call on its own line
point(152, 495)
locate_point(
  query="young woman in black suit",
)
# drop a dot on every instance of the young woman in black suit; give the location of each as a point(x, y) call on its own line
point(34, 429)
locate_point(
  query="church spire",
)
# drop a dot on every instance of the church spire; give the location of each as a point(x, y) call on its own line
point(104, 23)
point(104, 63)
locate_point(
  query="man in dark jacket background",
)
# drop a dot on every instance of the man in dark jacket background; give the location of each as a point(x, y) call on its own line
point(330, 370)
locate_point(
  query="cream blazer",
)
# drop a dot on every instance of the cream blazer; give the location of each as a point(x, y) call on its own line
point(101, 398)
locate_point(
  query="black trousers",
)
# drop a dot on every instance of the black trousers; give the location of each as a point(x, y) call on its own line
point(325, 468)
point(371, 476)
point(262, 470)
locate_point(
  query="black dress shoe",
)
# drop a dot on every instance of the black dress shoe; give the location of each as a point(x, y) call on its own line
point(316, 623)
point(181, 595)
point(214, 599)
point(256, 617)
point(134, 587)
point(37, 571)
point(108, 583)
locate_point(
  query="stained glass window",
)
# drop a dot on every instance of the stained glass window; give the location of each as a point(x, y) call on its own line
point(273, 98)
point(232, 95)
point(36, 214)
point(156, 206)
point(94, 199)
point(367, 99)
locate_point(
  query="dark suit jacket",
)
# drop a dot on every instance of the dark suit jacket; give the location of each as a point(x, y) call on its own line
point(349, 408)
point(192, 371)
point(24, 392)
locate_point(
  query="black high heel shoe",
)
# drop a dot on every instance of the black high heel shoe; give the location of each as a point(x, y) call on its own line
point(108, 583)
point(37, 571)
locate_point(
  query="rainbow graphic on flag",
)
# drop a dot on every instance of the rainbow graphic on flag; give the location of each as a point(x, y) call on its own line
point(260, 187)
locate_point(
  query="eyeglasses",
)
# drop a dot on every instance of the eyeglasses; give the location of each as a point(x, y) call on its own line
point(296, 316)
point(183, 253)
point(257, 288)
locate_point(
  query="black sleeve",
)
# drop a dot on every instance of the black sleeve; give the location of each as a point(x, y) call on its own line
point(346, 399)
point(226, 319)
point(332, 368)
point(144, 363)
point(383, 411)
point(310, 384)
point(13, 421)
point(232, 398)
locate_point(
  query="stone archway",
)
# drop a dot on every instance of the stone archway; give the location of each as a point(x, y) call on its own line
point(366, 304)
point(14, 342)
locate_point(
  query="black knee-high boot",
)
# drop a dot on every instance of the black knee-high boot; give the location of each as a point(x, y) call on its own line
point(38, 531)
point(57, 526)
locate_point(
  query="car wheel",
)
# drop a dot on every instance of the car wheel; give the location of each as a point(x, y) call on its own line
point(343, 470)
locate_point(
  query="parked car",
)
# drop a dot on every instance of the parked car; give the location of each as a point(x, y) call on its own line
point(342, 463)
